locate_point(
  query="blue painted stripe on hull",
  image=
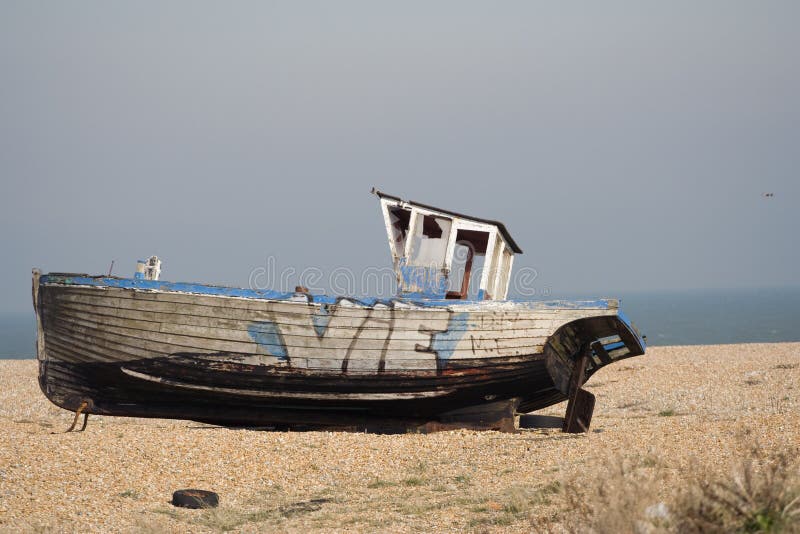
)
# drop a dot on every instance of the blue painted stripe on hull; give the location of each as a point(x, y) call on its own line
point(266, 294)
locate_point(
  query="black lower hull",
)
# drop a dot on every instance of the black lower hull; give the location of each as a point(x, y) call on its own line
point(200, 387)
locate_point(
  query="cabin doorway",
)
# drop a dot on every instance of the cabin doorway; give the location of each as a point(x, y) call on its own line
point(467, 264)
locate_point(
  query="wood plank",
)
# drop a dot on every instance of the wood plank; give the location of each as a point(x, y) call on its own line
point(301, 346)
point(401, 321)
point(504, 310)
point(295, 335)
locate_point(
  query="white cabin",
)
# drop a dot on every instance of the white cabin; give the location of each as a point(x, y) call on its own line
point(442, 254)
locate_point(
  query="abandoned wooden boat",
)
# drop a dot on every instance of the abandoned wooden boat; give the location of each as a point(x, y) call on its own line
point(448, 351)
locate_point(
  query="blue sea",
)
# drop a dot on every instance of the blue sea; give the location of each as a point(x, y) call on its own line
point(697, 317)
point(710, 317)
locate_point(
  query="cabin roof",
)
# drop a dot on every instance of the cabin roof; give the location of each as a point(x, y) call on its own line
point(500, 226)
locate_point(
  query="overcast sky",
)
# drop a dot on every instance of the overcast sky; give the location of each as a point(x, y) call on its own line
point(626, 145)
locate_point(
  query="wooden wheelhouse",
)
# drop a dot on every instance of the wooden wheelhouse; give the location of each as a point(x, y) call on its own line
point(441, 254)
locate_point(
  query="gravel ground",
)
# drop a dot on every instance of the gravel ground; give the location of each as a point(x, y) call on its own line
point(680, 405)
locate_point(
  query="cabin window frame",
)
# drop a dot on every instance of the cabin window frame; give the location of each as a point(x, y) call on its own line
point(416, 215)
point(500, 274)
point(505, 273)
point(386, 207)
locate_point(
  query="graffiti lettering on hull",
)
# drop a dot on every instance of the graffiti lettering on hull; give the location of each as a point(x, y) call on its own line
point(328, 337)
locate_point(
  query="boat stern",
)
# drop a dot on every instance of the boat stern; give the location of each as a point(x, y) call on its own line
point(625, 342)
point(41, 353)
point(61, 382)
point(602, 339)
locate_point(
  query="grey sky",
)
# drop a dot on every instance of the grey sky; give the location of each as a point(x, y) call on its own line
point(626, 145)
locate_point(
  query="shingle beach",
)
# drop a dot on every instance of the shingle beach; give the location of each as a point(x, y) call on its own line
point(679, 406)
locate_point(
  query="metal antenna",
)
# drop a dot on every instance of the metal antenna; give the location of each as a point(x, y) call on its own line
point(111, 268)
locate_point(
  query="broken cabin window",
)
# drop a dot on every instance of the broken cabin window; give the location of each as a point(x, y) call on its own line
point(399, 219)
point(429, 242)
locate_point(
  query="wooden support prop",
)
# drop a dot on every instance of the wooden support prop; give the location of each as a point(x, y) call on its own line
point(492, 416)
point(581, 403)
point(579, 412)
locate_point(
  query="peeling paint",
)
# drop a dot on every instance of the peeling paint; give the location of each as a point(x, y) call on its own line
point(444, 343)
point(267, 335)
point(321, 319)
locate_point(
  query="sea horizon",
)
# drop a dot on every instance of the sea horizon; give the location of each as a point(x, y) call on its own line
point(666, 317)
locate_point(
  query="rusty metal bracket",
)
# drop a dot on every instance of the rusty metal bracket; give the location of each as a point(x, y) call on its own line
point(85, 420)
point(83, 406)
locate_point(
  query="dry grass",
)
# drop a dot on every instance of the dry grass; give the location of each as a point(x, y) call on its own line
point(626, 498)
point(759, 493)
point(262, 512)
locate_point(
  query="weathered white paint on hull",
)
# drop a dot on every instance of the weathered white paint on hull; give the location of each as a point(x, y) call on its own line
point(120, 324)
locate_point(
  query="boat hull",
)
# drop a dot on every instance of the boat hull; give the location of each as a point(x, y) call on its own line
point(151, 349)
